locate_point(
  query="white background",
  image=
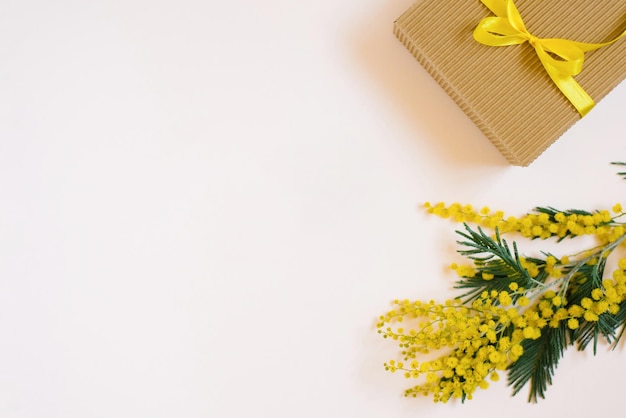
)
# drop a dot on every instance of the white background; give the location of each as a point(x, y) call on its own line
point(205, 205)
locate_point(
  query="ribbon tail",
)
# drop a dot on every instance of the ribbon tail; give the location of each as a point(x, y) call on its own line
point(568, 86)
point(576, 95)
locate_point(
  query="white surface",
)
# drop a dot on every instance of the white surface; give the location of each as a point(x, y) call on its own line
point(205, 205)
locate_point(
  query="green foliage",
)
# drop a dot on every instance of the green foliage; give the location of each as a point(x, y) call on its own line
point(619, 163)
point(538, 363)
point(501, 260)
point(516, 313)
point(589, 277)
point(591, 331)
point(494, 257)
point(620, 323)
point(552, 212)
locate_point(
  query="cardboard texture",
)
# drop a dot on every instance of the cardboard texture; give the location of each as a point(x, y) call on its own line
point(506, 90)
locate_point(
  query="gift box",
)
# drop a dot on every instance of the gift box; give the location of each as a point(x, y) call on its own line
point(507, 91)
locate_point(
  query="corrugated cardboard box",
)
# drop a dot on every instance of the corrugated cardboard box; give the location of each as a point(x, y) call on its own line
point(506, 91)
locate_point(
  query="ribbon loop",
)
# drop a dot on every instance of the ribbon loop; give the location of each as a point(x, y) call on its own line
point(562, 58)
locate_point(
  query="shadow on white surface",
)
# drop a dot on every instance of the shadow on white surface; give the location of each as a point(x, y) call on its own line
point(431, 116)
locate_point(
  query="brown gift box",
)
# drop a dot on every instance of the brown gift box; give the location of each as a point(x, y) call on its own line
point(505, 90)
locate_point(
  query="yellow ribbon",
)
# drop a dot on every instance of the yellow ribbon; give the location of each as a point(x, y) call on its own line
point(507, 28)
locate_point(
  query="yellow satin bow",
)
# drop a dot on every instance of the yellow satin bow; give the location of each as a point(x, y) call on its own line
point(508, 29)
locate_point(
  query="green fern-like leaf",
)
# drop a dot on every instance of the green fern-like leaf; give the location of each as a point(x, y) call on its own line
point(538, 362)
point(493, 257)
point(623, 173)
point(552, 212)
point(605, 326)
point(620, 322)
point(588, 277)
